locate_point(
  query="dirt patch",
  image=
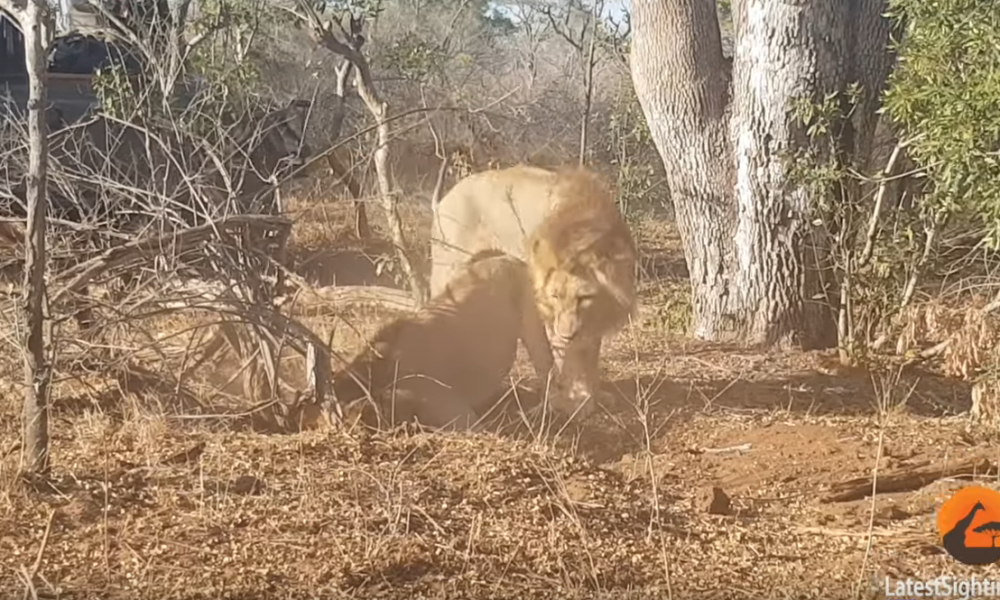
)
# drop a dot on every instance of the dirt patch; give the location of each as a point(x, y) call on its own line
point(470, 515)
point(706, 473)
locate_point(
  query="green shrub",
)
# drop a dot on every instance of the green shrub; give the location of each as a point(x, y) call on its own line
point(945, 96)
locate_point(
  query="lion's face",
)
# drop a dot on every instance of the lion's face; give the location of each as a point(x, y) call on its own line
point(571, 305)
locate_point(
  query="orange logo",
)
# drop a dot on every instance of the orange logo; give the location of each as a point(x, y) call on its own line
point(969, 525)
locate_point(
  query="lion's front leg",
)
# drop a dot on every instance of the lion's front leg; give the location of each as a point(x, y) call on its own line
point(535, 335)
point(579, 377)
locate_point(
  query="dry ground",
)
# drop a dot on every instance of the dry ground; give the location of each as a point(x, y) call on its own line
point(710, 476)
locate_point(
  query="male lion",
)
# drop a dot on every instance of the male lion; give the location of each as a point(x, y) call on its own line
point(444, 365)
point(580, 252)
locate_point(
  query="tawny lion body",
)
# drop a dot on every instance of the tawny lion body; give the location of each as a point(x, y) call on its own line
point(580, 253)
point(445, 364)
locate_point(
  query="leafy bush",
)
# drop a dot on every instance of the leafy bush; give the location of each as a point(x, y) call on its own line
point(630, 150)
point(945, 96)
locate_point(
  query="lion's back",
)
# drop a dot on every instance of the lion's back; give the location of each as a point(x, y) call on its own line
point(495, 209)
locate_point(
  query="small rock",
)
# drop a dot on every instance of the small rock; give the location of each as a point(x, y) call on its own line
point(246, 485)
point(825, 519)
point(715, 501)
point(891, 513)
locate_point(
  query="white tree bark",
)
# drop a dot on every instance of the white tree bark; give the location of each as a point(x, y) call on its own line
point(682, 82)
point(743, 218)
point(783, 52)
point(37, 25)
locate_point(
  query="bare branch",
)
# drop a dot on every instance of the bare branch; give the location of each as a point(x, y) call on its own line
point(450, 30)
point(379, 109)
point(563, 30)
point(440, 153)
point(887, 173)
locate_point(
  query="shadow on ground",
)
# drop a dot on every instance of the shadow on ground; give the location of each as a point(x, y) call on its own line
point(345, 266)
point(632, 408)
point(663, 264)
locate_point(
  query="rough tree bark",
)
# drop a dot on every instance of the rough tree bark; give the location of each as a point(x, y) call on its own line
point(682, 81)
point(783, 52)
point(725, 133)
point(36, 23)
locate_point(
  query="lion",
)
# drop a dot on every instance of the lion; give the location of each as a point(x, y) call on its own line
point(445, 364)
point(580, 253)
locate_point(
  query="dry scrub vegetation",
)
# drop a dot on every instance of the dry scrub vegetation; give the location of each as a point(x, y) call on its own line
point(180, 467)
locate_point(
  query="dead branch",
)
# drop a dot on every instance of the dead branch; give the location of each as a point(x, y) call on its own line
point(141, 249)
point(37, 23)
point(163, 44)
point(906, 479)
point(149, 198)
point(353, 295)
point(379, 109)
point(301, 336)
point(347, 295)
point(939, 348)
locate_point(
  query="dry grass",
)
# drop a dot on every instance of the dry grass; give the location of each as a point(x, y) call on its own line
point(146, 503)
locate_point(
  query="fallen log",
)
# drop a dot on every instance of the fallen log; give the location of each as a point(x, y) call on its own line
point(906, 479)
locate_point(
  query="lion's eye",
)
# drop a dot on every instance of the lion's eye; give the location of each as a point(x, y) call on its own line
point(585, 301)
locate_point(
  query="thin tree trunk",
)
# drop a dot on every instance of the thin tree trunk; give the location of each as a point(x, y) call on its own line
point(390, 204)
point(351, 50)
point(37, 374)
point(588, 86)
point(339, 111)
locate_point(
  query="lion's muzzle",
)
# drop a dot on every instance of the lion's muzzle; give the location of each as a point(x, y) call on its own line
point(560, 339)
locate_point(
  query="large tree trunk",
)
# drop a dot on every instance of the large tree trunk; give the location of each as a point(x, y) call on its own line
point(682, 82)
point(784, 52)
point(756, 265)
